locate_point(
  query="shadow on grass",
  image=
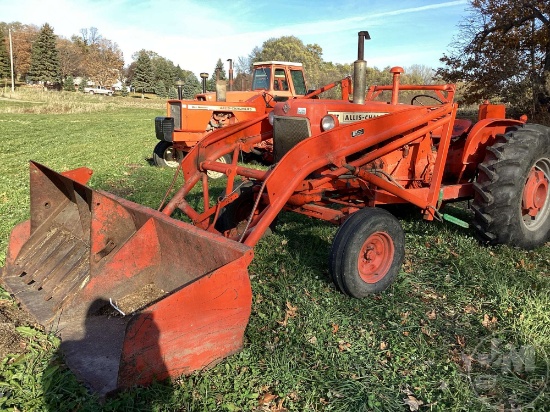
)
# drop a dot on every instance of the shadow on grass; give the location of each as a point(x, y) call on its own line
point(99, 367)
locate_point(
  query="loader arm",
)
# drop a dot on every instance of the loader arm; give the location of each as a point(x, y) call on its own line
point(233, 139)
point(332, 149)
point(325, 154)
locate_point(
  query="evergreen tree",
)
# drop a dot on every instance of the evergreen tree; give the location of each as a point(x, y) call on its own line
point(211, 83)
point(191, 87)
point(83, 83)
point(68, 84)
point(179, 73)
point(143, 75)
point(160, 88)
point(124, 91)
point(173, 93)
point(45, 66)
point(4, 58)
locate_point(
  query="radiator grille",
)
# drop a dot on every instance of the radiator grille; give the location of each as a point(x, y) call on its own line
point(175, 112)
point(287, 133)
point(164, 127)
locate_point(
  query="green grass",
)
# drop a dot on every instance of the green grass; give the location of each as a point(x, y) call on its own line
point(333, 353)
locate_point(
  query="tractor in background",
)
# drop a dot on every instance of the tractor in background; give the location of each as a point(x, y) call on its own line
point(188, 121)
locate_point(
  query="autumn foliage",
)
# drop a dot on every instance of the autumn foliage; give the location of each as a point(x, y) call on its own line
point(503, 52)
point(41, 55)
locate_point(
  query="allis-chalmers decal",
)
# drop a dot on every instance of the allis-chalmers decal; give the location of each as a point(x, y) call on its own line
point(350, 117)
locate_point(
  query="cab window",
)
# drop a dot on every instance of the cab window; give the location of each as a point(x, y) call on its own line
point(280, 81)
point(298, 81)
point(261, 79)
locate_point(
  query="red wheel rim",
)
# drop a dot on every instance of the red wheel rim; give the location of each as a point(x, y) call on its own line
point(535, 192)
point(375, 257)
point(535, 200)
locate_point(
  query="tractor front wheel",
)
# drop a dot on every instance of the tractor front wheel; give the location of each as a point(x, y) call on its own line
point(166, 155)
point(223, 159)
point(234, 217)
point(512, 194)
point(367, 252)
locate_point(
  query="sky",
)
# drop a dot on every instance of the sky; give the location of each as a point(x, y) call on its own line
point(196, 33)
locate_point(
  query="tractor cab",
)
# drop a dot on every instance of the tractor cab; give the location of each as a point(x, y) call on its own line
point(281, 79)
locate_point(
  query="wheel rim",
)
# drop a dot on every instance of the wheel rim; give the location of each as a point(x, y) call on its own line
point(375, 257)
point(216, 175)
point(170, 157)
point(535, 203)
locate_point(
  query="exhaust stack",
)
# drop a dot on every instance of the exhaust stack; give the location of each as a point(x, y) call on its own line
point(230, 74)
point(204, 76)
point(360, 70)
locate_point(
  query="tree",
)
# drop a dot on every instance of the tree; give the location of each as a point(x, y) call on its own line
point(172, 93)
point(191, 86)
point(328, 73)
point(45, 66)
point(93, 56)
point(160, 89)
point(23, 37)
point(83, 83)
point(164, 71)
point(291, 48)
point(70, 58)
point(219, 71)
point(104, 62)
point(124, 91)
point(243, 73)
point(180, 74)
point(4, 57)
point(419, 74)
point(68, 84)
point(503, 52)
point(143, 77)
point(90, 36)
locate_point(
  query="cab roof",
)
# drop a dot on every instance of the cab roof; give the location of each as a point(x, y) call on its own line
point(277, 62)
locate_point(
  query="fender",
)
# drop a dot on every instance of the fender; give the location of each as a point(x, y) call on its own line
point(482, 134)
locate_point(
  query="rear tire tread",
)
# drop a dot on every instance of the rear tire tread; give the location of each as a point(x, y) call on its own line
point(499, 188)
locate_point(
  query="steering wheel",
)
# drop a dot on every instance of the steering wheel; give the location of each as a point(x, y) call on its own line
point(414, 99)
point(268, 98)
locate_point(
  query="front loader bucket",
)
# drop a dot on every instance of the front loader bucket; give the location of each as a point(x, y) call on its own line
point(134, 294)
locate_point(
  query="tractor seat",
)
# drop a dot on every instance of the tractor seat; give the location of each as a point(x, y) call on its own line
point(461, 127)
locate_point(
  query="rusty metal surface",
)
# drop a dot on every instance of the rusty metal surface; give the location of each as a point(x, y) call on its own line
point(48, 272)
point(183, 294)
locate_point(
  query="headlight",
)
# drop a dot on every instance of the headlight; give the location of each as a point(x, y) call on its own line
point(270, 118)
point(328, 122)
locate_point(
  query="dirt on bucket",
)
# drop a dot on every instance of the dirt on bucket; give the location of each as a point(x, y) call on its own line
point(11, 316)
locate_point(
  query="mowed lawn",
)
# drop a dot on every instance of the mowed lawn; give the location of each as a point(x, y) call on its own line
point(308, 347)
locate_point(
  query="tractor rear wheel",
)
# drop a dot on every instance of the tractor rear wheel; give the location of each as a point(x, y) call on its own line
point(512, 194)
point(165, 155)
point(367, 252)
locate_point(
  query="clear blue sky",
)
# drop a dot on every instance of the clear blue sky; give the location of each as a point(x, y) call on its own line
point(195, 33)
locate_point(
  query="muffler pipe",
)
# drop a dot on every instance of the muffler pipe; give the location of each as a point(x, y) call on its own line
point(179, 84)
point(360, 70)
point(204, 76)
point(230, 74)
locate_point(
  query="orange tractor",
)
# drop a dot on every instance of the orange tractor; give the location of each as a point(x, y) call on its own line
point(166, 297)
point(188, 121)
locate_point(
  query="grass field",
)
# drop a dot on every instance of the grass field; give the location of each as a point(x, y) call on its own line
point(308, 347)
